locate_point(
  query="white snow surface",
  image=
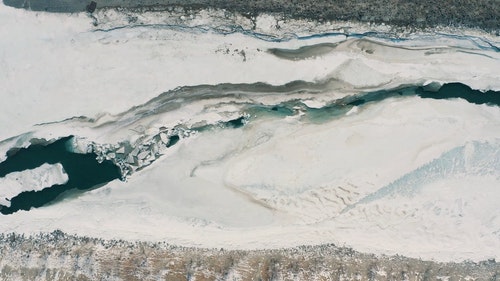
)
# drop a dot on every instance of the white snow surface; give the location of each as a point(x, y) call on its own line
point(30, 180)
point(59, 66)
point(356, 180)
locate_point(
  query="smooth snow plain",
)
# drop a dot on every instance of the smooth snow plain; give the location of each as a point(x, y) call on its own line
point(410, 176)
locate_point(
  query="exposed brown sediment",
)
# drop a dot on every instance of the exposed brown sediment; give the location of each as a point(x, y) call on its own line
point(483, 14)
point(57, 256)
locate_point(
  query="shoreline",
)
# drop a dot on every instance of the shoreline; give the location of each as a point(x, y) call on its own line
point(276, 27)
point(476, 14)
point(60, 256)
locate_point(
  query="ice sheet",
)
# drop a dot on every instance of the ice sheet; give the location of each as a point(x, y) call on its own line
point(30, 180)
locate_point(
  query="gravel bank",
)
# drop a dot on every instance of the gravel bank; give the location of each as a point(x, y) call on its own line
point(483, 14)
point(58, 256)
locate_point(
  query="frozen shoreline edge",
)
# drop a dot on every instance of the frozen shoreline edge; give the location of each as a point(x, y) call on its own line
point(55, 255)
point(275, 26)
point(476, 13)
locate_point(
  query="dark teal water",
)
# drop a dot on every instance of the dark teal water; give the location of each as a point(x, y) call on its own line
point(459, 90)
point(447, 91)
point(83, 170)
